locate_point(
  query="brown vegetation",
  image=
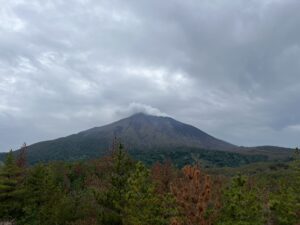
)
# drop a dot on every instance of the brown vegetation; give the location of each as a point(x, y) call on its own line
point(196, 198)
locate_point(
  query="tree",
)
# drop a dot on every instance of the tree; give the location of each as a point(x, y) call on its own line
point(296, 168)
point(198, 202)
point(242, 204)
point(284, 205)
point(163, 174)
point(46, 203)
point(22, 157)
point(11, 191)
point(143, 206)
point(112, 200)
point(285, 202)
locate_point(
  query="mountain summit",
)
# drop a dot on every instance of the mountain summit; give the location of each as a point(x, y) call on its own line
point(140, 133)
point(146, 132)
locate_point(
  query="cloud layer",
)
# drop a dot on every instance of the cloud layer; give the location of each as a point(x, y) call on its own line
point(230, 68)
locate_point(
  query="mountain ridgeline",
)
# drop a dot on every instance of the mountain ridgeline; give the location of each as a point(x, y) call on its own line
point(146, 132)
point(148, 137)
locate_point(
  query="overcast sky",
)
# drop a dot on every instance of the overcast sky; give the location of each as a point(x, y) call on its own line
point(231, 68)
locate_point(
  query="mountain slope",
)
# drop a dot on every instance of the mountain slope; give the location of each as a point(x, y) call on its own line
point(139, 133)
point(142, 131)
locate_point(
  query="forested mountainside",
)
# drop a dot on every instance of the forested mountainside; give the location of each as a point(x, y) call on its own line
point(154, 137)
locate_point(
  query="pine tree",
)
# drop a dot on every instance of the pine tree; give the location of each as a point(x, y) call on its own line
point(45, 201)
point(242, 205)
point(285, 202)
point(283, 205)
point(198, 201)
point(296, 167)
point(36, 187)
point(143, 206)
point(122, 168)
point(113, 200)
point(11, 191)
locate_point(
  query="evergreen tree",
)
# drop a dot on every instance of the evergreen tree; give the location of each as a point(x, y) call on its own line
point(113, 200)
point(296, 168)
point(122, 168)
point(197, 197)
point(284, 206)
point(46, 203)
point(11, 191)
point(142, 206)
point(285, 202)
point(241, 205)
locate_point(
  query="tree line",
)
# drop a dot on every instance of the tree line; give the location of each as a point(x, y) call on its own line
point(117, 190)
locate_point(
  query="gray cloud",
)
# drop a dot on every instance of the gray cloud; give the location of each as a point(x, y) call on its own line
point(230, 68)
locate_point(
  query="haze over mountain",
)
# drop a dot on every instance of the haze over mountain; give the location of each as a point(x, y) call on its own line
point(139, 133)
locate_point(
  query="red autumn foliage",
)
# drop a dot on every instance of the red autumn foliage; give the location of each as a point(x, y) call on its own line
point(163, 174)
point(197, 197)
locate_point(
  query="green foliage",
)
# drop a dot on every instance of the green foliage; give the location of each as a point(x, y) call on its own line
point(130, 198)
point(45, 200)
point(188, 156)
point(285, 202)
point(296, 167)
point(122, 168)
point(113, 199)
point(143, 207)
point(241, 204)
point(180, 156)
point(117, 190)
point(284, 205)
point(11, 189)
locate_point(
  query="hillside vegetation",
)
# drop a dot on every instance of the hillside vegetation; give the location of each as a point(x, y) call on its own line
point(118, 190)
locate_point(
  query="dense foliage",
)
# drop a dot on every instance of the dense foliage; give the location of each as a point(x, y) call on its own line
point(180, 156)
point(208, 158)
point(118, 190)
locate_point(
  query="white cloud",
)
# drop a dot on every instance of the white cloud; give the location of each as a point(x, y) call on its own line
point(230, 68)
point(135, 107)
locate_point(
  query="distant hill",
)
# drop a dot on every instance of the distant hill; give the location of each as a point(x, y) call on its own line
point(140, 134)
